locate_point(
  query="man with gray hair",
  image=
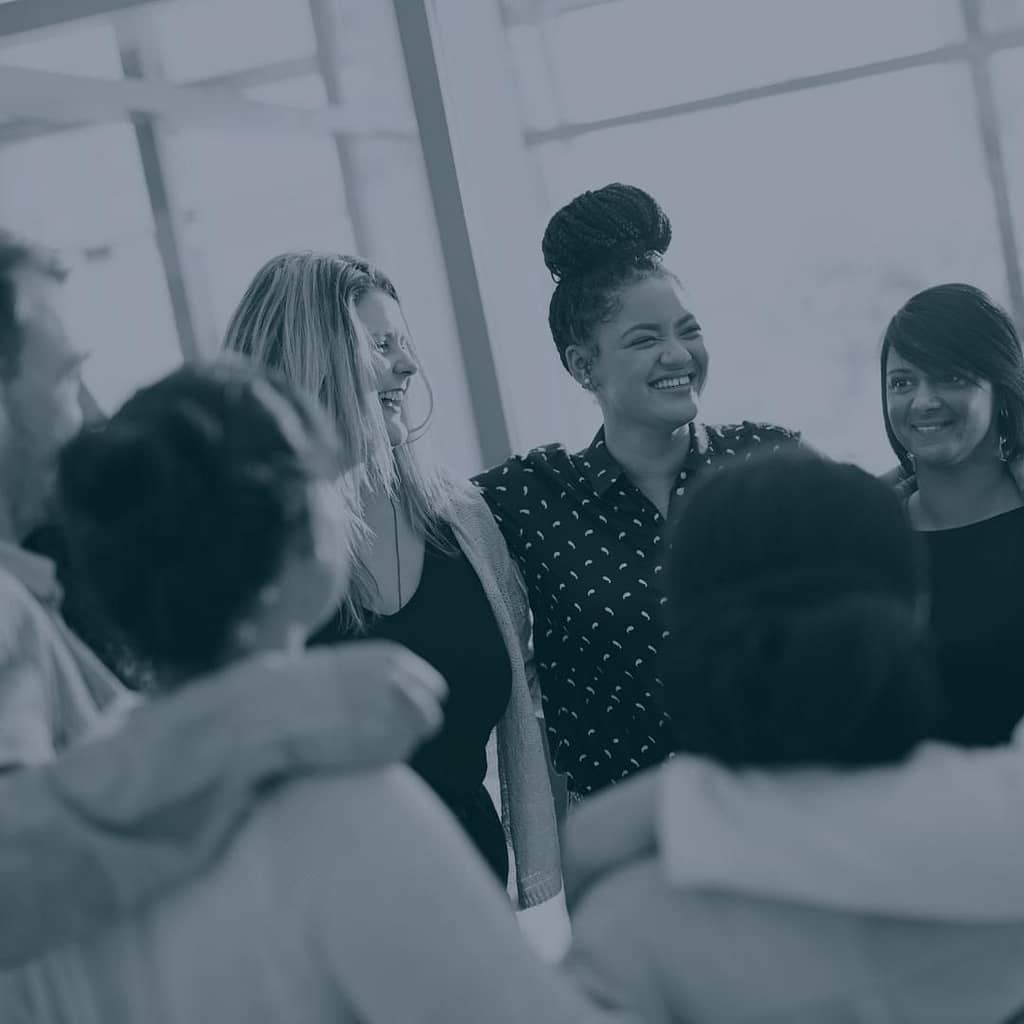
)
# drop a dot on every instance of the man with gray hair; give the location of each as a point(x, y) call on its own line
point(53, 689)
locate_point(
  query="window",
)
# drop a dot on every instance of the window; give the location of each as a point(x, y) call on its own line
point(82, 191)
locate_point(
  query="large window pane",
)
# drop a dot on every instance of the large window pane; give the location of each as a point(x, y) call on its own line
point(83, 192)
point(998, 15)
point(247, 196)
point(801, 223)
point(204, 38)
point(88, 49)
point(119, 310)
point(617, 58)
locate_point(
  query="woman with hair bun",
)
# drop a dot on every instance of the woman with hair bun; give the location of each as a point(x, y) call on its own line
point(799, 616)
point(587, 528)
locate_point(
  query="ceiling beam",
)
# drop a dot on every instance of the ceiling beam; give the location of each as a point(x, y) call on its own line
point(18, 16)
point(63, 99)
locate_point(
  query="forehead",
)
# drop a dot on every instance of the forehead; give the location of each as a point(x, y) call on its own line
point(894, 361)
point(380, 313)
point(653, 300)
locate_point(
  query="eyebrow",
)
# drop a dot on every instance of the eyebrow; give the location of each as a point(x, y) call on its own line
point(683, 321)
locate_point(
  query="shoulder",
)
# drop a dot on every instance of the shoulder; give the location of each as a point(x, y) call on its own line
point(519, 468)
point(750, 434)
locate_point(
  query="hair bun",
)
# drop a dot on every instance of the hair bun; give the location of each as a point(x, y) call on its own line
point(613, 224)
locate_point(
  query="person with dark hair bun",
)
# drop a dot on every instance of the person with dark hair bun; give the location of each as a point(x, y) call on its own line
point(205, 517)
point(799, 641)
point(587, 528)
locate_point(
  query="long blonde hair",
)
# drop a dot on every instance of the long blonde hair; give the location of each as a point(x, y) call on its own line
point(298, 317)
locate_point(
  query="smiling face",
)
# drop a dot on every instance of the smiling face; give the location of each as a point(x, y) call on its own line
point(651, 361)
point(394, 363)
point(941, 419)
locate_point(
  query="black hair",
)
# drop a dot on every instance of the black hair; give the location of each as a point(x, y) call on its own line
point(796, 593)
point(594, 246)
point(16, 255)
point(182, 506)
point(957, 328)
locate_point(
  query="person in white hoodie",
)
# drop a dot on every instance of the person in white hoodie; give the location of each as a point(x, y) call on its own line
point(795, 598)
point(199, 515)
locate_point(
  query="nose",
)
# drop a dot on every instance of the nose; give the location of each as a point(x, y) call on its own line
point(924, 397)
point(676, 353)
point(404, 365)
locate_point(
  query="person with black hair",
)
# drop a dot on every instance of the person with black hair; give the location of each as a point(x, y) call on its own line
point(204, 518)
point(952, 374)
point(798, 607)
point(587, 528)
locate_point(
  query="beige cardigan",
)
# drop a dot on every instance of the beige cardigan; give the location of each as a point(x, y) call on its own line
point(527, 804)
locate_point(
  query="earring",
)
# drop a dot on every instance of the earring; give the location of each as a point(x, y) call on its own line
point(1004, 441)
point(588, 382)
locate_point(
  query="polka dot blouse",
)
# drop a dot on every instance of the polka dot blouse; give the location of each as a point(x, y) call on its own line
point(590, 546)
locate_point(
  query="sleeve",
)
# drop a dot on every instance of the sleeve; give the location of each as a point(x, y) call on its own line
point(939, 835)
point(121, 818)
point(498, 485)
point(608, 830)
point(420, 933)
point(615, 959)
point(27, 702)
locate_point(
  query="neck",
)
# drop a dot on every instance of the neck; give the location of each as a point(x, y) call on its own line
point(651, 459)
point(953, 496)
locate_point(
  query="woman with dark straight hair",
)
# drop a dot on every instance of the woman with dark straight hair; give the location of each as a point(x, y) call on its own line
point(952, 374)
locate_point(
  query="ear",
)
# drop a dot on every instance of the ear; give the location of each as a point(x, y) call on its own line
point(580, 361)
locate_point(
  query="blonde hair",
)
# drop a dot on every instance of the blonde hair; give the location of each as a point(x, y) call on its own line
point(298, 317)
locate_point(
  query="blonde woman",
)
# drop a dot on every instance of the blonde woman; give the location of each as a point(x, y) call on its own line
point(432, 571)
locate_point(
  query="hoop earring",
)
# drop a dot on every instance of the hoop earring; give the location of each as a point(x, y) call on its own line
point(1004, 441)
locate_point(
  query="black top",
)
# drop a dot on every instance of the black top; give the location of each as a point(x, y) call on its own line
point(449, 623)
point(589, 544)
point(977, 590)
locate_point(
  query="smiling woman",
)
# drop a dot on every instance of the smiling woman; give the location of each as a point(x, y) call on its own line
point(431, 569)
point(953, 402)
point(586, 528)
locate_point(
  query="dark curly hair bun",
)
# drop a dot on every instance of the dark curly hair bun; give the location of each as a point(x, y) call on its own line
point(614, 224)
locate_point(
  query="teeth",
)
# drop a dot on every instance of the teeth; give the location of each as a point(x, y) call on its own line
point(673, 382)
point(931, 428)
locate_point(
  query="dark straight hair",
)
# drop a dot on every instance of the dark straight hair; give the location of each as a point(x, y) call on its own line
point(957, 328)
